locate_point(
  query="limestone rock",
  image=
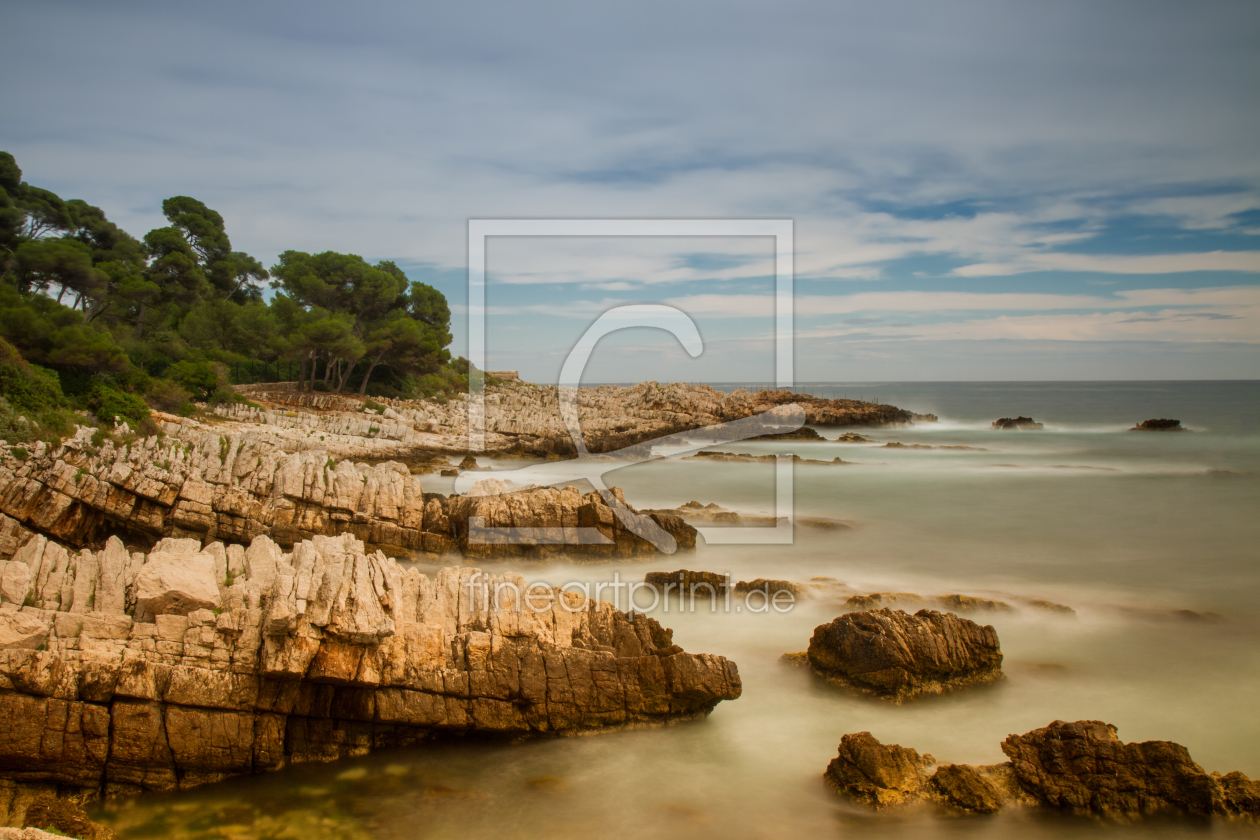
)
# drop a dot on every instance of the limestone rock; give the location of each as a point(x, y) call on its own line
point(177, 584)
point(22, 630)
point(343, 652)
point(769, 588)
point(899, 656)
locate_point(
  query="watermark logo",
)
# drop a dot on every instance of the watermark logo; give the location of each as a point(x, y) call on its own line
point(592, 468)
point(494, 593)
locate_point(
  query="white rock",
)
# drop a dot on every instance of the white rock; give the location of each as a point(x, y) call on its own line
point(21, 630)
point(177, 584)
point(15, 582)
point(260, 561)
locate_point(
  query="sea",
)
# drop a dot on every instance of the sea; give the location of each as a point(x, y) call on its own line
point(1152, 539)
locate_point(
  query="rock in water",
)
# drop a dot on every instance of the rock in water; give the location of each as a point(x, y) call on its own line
point(1084, 767)
point(1159, 426)
point(688, 583)
point(962, 786)
point(898, 656)
point(324, 652)
point(1079, 767)
point(877, 774)
point(1018, 423)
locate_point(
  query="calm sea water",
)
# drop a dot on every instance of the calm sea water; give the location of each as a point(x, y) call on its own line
point(1128, 528)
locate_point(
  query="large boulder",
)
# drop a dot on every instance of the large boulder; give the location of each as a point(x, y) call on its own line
point(1083, 767)
point(177, 584)
point(895, 655)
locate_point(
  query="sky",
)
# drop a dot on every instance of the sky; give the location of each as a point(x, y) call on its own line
point(979, 191)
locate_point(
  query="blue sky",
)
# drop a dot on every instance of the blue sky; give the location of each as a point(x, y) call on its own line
point(979, 190)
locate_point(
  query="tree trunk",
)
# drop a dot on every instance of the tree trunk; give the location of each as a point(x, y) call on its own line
point(371, 367)
point(59, 294)
point(301, 383)
point(140, 321)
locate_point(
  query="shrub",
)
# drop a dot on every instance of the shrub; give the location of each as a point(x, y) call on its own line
point(165, 395)
point(28, 388)
point(13, 427)
point(201, 379)
point(107, 403)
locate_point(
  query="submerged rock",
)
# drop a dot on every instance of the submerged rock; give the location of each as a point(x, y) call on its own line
point(1018, 423)
point(899, 656)
point(324, 652)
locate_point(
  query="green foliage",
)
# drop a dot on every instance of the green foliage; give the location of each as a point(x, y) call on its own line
point(28, 388)
point(201, 379)
point(107, 403)
point(169, 397)
point(20, 453)
point(161, 316)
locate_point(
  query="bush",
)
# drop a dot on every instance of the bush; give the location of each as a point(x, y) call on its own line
point(201, 379)
point(107, 403)
point(13, 427)
point(28, 388)
point(165, 395)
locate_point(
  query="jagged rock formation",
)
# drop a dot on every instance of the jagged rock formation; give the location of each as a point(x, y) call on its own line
point(522, 418)
point(1084, 767)
point(324, 652)
point(1162, 425)
point(899, 656)
point(1080, 767)
point(197, 481)
point(1017, 423)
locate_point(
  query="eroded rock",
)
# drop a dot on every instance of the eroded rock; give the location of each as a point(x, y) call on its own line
point(898, 656)
point(340, 652)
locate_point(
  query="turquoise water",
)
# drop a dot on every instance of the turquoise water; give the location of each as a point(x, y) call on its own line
point(1128, 528)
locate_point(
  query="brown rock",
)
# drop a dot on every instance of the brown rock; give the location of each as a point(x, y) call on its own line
point(688, 583)
point(1083, 767)
point(876, 774)
point(962, 786)
point(324, 652)
point(899, 656)
point(63, 816)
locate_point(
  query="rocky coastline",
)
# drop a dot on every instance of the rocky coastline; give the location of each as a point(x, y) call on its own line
point(122, 672)
point(235, 483)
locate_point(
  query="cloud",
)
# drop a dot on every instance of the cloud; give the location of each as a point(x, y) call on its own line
point(1113, 264)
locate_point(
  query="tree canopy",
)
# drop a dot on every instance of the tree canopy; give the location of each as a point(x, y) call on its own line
point(102, 309)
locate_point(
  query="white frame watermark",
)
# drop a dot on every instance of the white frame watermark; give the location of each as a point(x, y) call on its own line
point(783, 233)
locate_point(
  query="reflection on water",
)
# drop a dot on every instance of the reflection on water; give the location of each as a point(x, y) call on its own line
point(1169, 526)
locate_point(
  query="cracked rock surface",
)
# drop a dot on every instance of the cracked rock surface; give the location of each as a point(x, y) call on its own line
point(116, 680)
